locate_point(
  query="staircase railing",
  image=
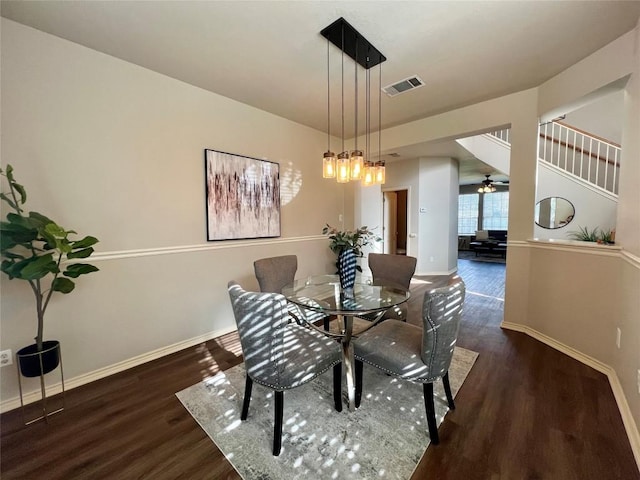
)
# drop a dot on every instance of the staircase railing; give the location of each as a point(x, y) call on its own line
point(504, 135)
point(585, 156)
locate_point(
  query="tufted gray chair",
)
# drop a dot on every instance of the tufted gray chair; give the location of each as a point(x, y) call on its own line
point(393, 270)
point(279, 354)
point(420, 355)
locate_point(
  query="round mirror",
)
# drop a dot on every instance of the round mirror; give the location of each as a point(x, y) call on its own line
point(554, 212)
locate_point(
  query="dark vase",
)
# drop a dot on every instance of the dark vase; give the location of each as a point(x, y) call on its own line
point(34, 364)
point(347, 269)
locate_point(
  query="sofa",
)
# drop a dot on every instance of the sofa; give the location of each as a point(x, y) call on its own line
point(489, 242)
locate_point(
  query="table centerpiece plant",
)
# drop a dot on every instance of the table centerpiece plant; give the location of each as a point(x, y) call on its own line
point(348, 245)
point(33, 248)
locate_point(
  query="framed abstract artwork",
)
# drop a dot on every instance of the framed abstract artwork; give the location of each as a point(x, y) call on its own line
point(243, 196)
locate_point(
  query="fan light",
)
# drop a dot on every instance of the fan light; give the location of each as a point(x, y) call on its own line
point(487, 186)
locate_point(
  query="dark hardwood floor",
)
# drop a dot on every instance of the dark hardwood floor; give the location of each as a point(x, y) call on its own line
point(525, 411)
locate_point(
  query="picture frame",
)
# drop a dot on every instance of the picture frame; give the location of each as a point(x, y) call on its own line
point(242, 196)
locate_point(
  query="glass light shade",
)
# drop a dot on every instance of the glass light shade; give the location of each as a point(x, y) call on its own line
point(487, 189)
point(368, 175)
point(329, 165)
point(343, 172)
point(380, 173)
point(357, 164)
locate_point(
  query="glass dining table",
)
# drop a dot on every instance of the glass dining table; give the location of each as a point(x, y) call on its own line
point(322, 294)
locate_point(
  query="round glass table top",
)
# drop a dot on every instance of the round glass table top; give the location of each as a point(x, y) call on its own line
point(322, 293)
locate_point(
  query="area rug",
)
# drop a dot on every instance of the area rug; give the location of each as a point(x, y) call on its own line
point(385, 438)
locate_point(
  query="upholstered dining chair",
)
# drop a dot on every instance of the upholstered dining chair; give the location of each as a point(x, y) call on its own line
point(279, 354)
point(273, 273)
point(420, 355)
point(394, 270)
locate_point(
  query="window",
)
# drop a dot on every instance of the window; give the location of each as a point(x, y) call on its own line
point(495, 211)
point(468, 213)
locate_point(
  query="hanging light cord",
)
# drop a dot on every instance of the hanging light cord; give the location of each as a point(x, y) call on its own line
point(380, 113)
point(356, 107)
point(368, 114)
point(342, 89)
point(328, 101)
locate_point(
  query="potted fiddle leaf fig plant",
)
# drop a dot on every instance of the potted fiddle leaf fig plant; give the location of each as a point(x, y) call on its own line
point(37, 250)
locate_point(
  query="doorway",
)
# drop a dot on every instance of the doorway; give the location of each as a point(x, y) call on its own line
point(394, 229)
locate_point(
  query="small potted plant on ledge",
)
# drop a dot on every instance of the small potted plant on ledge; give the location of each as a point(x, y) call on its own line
point(33, 248)
point(584, 234)
point(348, 246)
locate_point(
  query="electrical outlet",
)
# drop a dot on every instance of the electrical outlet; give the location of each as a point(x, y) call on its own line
point(5, 358)
point(618, 335)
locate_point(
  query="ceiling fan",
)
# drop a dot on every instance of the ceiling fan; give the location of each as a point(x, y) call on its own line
point(487, 186)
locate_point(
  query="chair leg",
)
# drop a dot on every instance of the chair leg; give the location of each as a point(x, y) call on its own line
point(326, 323)
point(427, 389)
point(277, 424)
point(248, 384)
point(337, 386)
point(447, 391)
point(358, 368)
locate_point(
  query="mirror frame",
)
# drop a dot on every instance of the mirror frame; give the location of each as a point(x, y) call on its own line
point(538, 213)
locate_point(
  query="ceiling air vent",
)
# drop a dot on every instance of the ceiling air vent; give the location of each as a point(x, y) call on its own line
point(403, 86)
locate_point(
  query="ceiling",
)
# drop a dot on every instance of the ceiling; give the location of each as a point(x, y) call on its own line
point(270, 54)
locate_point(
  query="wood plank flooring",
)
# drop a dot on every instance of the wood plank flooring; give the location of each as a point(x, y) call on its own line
point(526, 411)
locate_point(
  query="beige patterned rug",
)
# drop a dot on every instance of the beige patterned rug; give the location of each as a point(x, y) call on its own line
point(384, 439)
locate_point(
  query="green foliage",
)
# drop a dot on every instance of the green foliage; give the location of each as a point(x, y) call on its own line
point(584, 234)
point(606, 237)
point(33, 248)
point(350, 239)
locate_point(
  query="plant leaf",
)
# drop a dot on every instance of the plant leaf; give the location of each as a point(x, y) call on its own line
point(7, 267)
point(63, 285)
point(8, 200)
point(84, 243)
point(55, 230)
point(21, 191)
point(84, 253)
point(37, 267)
point(77, 269)
point(40, 219)
point(13, 255)
point(12, 234)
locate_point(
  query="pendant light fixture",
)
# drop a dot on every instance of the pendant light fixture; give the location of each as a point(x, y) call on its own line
point(329, 159)
point(359, 164)
point(380, 167)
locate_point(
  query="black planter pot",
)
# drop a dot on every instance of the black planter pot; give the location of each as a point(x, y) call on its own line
point(34, 364)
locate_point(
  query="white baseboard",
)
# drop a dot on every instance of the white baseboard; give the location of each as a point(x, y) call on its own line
point(627, 418)
point(89, 377)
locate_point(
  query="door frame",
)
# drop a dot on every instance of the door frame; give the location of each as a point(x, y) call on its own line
point(385, 220)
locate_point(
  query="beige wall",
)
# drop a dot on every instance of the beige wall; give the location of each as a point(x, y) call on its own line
point(116, 151)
